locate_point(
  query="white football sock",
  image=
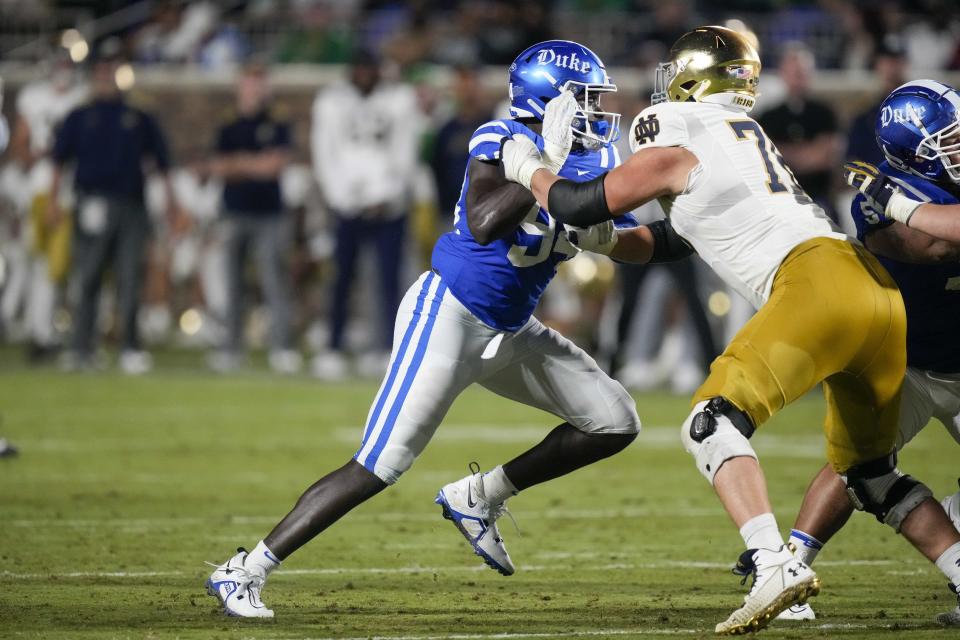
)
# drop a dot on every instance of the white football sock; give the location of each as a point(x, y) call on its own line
point(807, 546)
point(761, 532)
point(497, 486)
point(949, 563)
point(262, 558)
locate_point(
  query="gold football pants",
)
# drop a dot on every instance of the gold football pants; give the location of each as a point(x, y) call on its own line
point(834, 315)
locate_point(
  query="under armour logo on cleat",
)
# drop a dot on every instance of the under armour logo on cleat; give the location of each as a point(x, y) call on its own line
point(794, 571)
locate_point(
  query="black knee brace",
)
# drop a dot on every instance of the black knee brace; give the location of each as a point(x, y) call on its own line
point(878, 487)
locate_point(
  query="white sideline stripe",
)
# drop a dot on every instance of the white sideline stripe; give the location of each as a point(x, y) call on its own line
point(616, 566)
point(594, 633)
point(602, 633)
point(652, 437)
point(394, 516)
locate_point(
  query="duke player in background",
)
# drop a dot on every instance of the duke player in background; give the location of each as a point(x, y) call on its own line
point(469, 320)
point(920, 116)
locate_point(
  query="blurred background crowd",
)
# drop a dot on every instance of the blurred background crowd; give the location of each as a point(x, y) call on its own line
point(240, 177)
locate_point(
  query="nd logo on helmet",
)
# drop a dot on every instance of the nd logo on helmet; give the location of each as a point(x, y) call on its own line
point(571, 61)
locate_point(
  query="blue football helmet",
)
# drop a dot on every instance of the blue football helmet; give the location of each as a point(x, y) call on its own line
point(918, 130)
point(543, 70)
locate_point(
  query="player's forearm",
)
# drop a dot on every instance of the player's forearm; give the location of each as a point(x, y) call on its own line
point(655, 242)
point(904, 244)
point(633, 245)
point(938, 220)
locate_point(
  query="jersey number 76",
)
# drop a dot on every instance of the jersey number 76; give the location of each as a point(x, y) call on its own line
point(780, 178)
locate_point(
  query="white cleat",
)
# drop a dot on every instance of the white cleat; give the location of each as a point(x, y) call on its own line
point(779, 581)
point(464, 503)
point(950, 618)
point(238, 588)
point(798, 612)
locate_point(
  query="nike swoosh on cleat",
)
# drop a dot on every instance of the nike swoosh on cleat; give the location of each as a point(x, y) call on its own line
point(470, 501)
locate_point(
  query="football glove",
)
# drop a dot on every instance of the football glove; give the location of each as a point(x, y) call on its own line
point(880, 191)
point(520, 159)
point(557, 130)
point(597, 238)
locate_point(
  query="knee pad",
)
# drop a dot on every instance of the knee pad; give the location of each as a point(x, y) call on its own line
point(714, 432)
point(878, 487)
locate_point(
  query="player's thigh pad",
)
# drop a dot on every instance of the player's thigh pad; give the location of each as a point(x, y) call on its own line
point(543, 369)
point(437, 346)
point(713, 443)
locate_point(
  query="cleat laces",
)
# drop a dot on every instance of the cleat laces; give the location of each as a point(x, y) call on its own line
point(495, 510)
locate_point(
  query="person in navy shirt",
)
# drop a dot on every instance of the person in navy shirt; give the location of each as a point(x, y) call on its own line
point(469, 320)
point(252, 151)
point(927, 270)
point(108, 142)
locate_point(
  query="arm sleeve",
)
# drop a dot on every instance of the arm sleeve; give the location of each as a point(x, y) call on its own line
point(668, 246)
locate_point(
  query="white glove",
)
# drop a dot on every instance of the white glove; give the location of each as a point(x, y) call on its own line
point(597, 238)
point(521, 159)
point(557, 131)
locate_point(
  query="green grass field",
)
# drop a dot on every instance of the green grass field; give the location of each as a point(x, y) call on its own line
point(126, 486)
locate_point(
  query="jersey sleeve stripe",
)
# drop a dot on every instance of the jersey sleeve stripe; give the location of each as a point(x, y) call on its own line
point(915, 193)
point(477, 140)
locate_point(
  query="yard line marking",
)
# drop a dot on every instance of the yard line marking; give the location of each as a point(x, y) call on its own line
point(384, 516)
point(90, 574)
point(321, 571)
point(600, 633)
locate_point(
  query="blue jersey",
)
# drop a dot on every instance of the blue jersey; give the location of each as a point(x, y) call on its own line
point(501, 283)
point(931, 292)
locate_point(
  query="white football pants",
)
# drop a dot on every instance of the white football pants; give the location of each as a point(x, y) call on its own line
point(440, 348)
point(927, 395)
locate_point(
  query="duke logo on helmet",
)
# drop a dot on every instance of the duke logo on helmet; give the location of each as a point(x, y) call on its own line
point(540, 72)
point(918, 130)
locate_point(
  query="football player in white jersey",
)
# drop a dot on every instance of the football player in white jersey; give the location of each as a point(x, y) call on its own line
point(828, 311)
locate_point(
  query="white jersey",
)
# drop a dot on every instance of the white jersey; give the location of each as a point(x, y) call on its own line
point(364, 148)
point(43, 108)
point(742, 210)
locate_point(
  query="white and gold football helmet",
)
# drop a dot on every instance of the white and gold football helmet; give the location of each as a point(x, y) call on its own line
point(709, 64)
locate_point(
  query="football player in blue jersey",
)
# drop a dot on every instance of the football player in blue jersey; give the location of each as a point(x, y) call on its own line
point(918, 130)
point(469, 320)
